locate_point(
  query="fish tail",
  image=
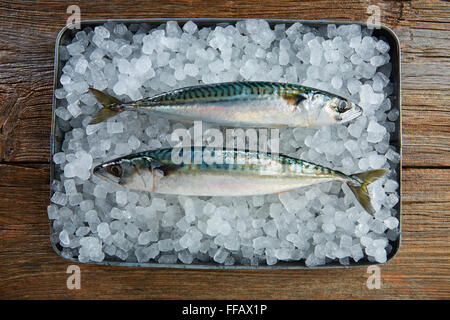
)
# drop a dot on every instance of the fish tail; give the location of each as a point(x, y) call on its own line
point(111, 106)
point(360, 190)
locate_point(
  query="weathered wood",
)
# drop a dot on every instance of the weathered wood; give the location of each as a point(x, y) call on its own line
point(425, 74)
point(27, 62)
point(30, 269)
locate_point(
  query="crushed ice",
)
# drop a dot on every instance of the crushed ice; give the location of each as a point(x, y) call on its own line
point(96, 221)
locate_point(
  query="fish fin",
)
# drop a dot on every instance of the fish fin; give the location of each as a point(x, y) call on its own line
point(168, 169)
point(294, 99)
point(109, 103)
point(165, 169)
point(361, 192)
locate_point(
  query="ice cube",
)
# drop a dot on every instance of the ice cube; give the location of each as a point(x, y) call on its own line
point(328, 227)
point(64, 237)
point(75, 48)
point(216, 66)
point(165, 245)
point(125, 50)
point(114, 127)
point(353, 86)
point(190, 27)
point(69, 186)
point(122, 149)
point(172, 29)
point(393, 156)
point(367, 95)
point(146, 237)
point(393, 115)
point(289, 202)
point(81, 65)
point(159, 204)
point(377, 61)
point(376, 161)
point(220, 255)
point(380, 255)
point(258, 201)
point(116, 213)
point(75, 199)
point(59, 198)
point(283, 57)
point(191, 69)
point(346, 241)
point(121, 198)
point(185, 257)
point(120, 29)
point(102, 31)
point(82, 231)
point(131, 230)
point(103, 230)
point(52, 211)
point(376, 132)
point(186, 240)
point(91, 216)
point(336, 82)
point(143, 64)
point(275, 210)
point(382, 46)
point(316, 58)
point(390, 186)
point(63, 113)
point(355, 129)
point(100, 192)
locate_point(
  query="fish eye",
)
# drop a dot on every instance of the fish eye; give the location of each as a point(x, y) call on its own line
point(343, 106)
point(115, 170)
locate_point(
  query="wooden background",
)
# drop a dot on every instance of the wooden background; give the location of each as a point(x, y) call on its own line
point(30, 269)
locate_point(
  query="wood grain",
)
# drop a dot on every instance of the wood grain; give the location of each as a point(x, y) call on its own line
point(425, 87)
point(30, 269)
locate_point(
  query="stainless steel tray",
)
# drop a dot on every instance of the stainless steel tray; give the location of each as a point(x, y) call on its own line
point(56, 138)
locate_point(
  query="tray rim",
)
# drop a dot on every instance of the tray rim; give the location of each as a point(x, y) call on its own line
point(214, 266)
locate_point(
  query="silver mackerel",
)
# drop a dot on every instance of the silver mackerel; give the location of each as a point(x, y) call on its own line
point(209, 172)
point(240, 104)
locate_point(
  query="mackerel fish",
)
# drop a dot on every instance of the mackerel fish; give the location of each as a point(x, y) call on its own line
point(240, 104)
point(210, 172)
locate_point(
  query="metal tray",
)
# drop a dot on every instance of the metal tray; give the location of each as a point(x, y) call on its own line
point(385, 33)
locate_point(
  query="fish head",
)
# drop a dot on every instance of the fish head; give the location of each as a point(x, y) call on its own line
point(341, 110)
point(134, 173)
point(320, 108)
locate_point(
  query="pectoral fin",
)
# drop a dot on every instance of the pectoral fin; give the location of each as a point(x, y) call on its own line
point(294, 99)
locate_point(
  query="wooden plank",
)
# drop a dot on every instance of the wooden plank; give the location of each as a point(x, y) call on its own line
point(425, 14)
point(426, 111)
point(30, 269)
point(27, 62)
